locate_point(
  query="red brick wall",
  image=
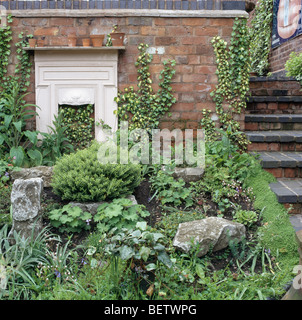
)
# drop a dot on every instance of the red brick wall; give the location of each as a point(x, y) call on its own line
point(187, 40)
point(280, 55)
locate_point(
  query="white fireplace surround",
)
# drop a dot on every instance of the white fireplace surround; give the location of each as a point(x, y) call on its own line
point(76, 77)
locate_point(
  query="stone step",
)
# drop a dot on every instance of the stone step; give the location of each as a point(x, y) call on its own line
point(271, 104)
point(287, 118)
point(281, 159)
point(275, 136)
point(264, 122)
point(282, 164)
point(274, 98)
point(275, 140)
point(288, 191)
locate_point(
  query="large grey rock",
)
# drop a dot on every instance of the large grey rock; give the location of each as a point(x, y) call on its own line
point(26, 206)
point(211, 233)
point(188, 174)
point(35, 172)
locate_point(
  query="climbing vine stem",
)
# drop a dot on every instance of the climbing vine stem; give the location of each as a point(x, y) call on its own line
point(233, 68)
point(23, 66)
point(144, 108)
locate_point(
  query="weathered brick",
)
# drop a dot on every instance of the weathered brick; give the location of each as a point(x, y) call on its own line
point(194, 40)
point(151, 31)
point(194, 21)
point(222, 22)
point(165, 41)
point(54, 22)
point(139, 21)
point(206, 31)
point(53, 31)
point(276, 172)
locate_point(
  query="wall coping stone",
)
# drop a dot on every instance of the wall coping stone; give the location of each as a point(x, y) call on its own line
point(129, 13)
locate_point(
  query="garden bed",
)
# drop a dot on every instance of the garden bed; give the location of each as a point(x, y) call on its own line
point(220, 260)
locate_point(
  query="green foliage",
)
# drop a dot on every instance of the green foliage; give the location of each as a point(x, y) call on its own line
point(293, 66)
point(23, 66)
point(260, 35)
point(79, 124)
point(276, 233)
point(18, 257)
point(225, 174)
point(22, 144)
point(14, 114)
point(81, 177)
point(246, 217)
point(55, 143)
point(170, 190)
point(5, 39)
point(233, 66)
point(70, 219)
point(144, 108)
point(120, 213)
point(5, 205)
point(140, 246)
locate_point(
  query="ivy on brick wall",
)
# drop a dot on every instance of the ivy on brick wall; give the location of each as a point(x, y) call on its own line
point(79, 122)
point(233, 68)
point(260, 32)
point(144, 108)
point(23, 67)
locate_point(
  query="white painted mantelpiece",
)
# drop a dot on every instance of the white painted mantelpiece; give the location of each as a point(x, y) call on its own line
point(76, 77)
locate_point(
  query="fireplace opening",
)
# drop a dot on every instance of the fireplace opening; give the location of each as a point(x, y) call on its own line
point(80, 123)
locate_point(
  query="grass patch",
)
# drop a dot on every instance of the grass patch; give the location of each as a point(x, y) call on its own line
point(276, 233)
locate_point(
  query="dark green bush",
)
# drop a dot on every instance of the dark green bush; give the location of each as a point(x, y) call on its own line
point(81, 177)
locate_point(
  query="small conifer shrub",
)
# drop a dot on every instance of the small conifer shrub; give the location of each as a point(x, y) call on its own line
point(81, 177)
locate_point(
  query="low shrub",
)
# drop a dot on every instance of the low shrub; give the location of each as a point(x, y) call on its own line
point(81, 177)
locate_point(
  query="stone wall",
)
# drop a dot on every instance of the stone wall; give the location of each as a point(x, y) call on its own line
point(181, 35)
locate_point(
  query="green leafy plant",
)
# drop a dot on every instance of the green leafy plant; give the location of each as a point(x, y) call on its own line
point(170, 190)
point(144, 108)
point(260, 35)
point(233, 67)
point(70, 219)
point(140, 246)
point(55, 143)
point(23, 66)
point(246, 217)
point(18, 258)
point(14, 114)
point(5, 51)
point(293, 66)
point(120, 213)
point(79, 124)
point(5, 169)
point(81, 177)
point(109, 40)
